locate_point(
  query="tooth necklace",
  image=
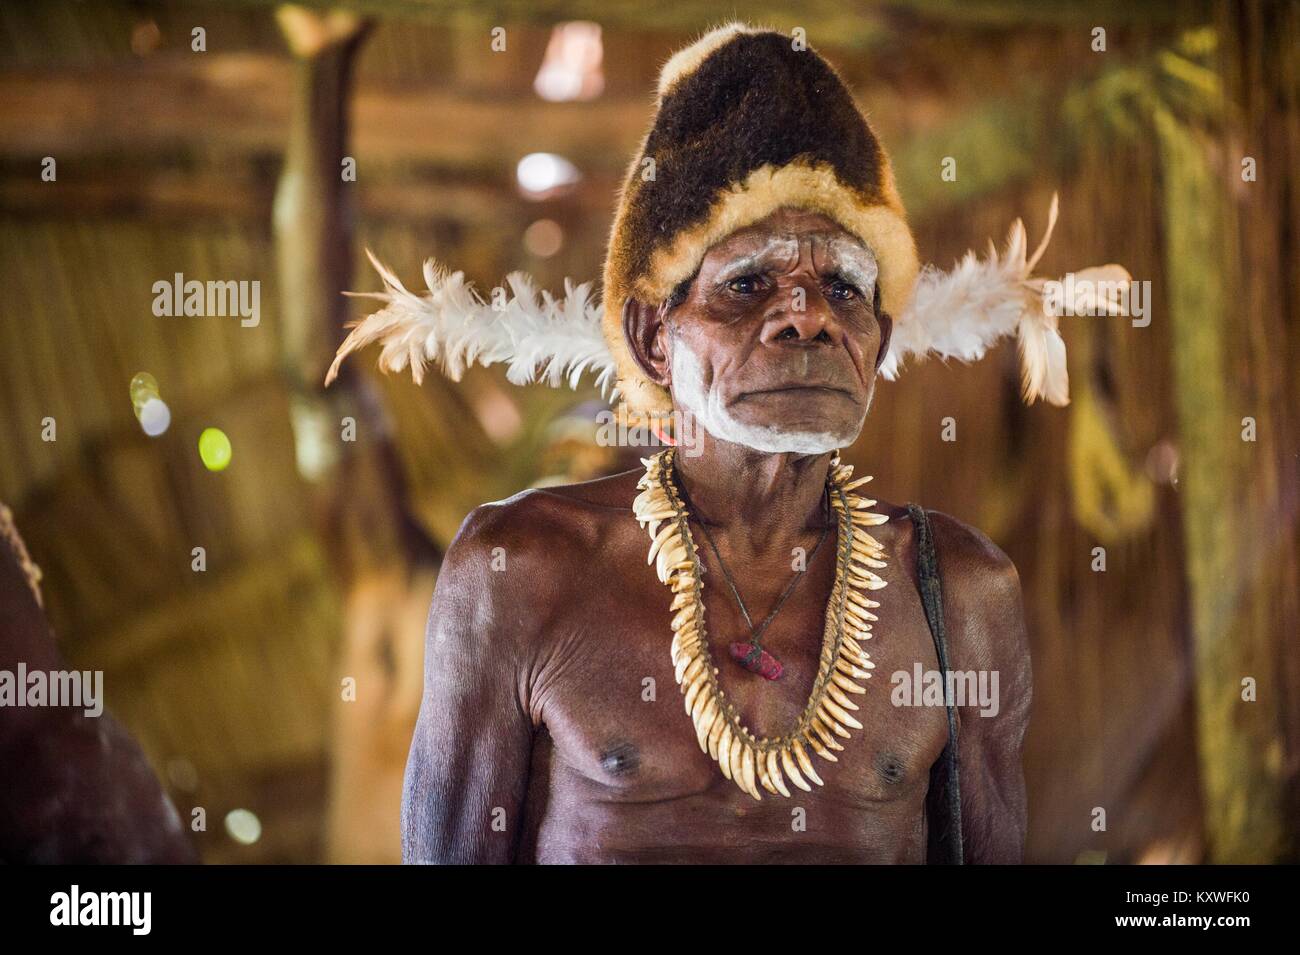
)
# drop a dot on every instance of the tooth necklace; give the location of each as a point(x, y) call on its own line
point(751, 654)
point(748, 761)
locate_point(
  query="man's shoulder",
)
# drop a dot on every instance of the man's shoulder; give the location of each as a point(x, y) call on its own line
point(981, 590)
point(546, 523)
point(517, 564)
point(970, 554)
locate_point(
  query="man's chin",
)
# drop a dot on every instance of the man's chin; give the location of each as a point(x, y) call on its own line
point(781, 436)
point(809, 421)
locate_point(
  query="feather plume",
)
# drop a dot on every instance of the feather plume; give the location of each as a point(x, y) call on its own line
point(962, 313)
point(555, 341)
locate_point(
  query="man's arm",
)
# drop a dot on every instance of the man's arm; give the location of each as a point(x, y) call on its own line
point(985, 621)
point(467, 773)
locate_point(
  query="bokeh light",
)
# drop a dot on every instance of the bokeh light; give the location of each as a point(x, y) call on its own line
point(541, 175)
point(150, 410)
point(544, 238)
point(214, 449)
point(243, 826)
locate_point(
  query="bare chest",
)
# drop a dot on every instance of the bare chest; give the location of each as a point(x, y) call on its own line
point(617, 762)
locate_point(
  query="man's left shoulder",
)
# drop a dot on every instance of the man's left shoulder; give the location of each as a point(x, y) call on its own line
point(971, 559)
point(981, 593)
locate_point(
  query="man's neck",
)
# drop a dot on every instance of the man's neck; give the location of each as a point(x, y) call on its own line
point(775, 498)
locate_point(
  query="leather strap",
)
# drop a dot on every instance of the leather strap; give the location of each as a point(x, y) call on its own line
point(944, 802)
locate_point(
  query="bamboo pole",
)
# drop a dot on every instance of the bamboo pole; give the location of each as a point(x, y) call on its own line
point(1240, 740)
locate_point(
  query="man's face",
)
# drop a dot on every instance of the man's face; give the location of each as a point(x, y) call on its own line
point(776, 343)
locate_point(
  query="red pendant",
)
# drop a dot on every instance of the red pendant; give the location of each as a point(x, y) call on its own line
point(760, 662)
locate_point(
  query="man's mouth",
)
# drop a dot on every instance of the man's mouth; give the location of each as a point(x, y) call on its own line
point(797, 388)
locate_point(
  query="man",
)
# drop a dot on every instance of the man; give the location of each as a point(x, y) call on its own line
point(535, 714)
point(760, 275)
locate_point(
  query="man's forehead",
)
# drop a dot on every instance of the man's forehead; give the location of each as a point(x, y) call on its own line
point(784, 224)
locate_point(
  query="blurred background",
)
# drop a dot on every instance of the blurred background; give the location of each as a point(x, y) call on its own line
point(1153, 520)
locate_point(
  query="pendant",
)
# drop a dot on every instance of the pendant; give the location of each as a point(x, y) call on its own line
point(757, 660)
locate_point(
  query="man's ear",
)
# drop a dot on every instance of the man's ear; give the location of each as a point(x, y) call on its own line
point(643, 328)
point(886, 333)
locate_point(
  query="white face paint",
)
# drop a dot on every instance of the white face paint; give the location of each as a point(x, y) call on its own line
point(711, 414)
point(854, 261)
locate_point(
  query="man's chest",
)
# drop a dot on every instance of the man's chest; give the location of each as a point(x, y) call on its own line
point(617, 729)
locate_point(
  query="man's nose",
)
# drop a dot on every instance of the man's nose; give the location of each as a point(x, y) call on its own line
point(803, 316)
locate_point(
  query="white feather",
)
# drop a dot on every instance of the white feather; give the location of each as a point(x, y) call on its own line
point(957, 314)
point(554, 340)
point(962, 313)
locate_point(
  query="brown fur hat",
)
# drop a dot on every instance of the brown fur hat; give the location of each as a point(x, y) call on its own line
point(745, 123)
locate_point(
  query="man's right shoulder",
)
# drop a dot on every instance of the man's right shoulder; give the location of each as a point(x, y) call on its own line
point(527, 548)
point(545, 522)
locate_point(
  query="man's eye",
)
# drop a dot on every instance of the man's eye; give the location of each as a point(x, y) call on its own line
point(745, 284)
point(843, 291)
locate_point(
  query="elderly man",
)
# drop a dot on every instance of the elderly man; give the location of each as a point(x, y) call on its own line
point(731, 654)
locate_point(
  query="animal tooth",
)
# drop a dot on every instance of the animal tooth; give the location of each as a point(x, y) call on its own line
point(747, 772)
point(820, 748)
point(692, 669)
point(840, 714)
point(805, 763)
point(858, 601)
point(715, 733)
point(683, 645)
point(659, 542)
point(764, 774)
point(664, 561)
point(792, 771)
point(724, 751)
point(830, 722)
point(698, 709)
point(705, 723)
point(737, 745)
point(774, 773)
point(695, 690)
point(844, 683)
point(673, 552)
point(824, 734)
point(846, 667)
point(840, 697)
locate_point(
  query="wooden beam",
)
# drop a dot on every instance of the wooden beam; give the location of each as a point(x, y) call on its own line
point(234, 103)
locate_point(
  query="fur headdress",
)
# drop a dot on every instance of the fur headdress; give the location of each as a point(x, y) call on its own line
point(744, 124)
